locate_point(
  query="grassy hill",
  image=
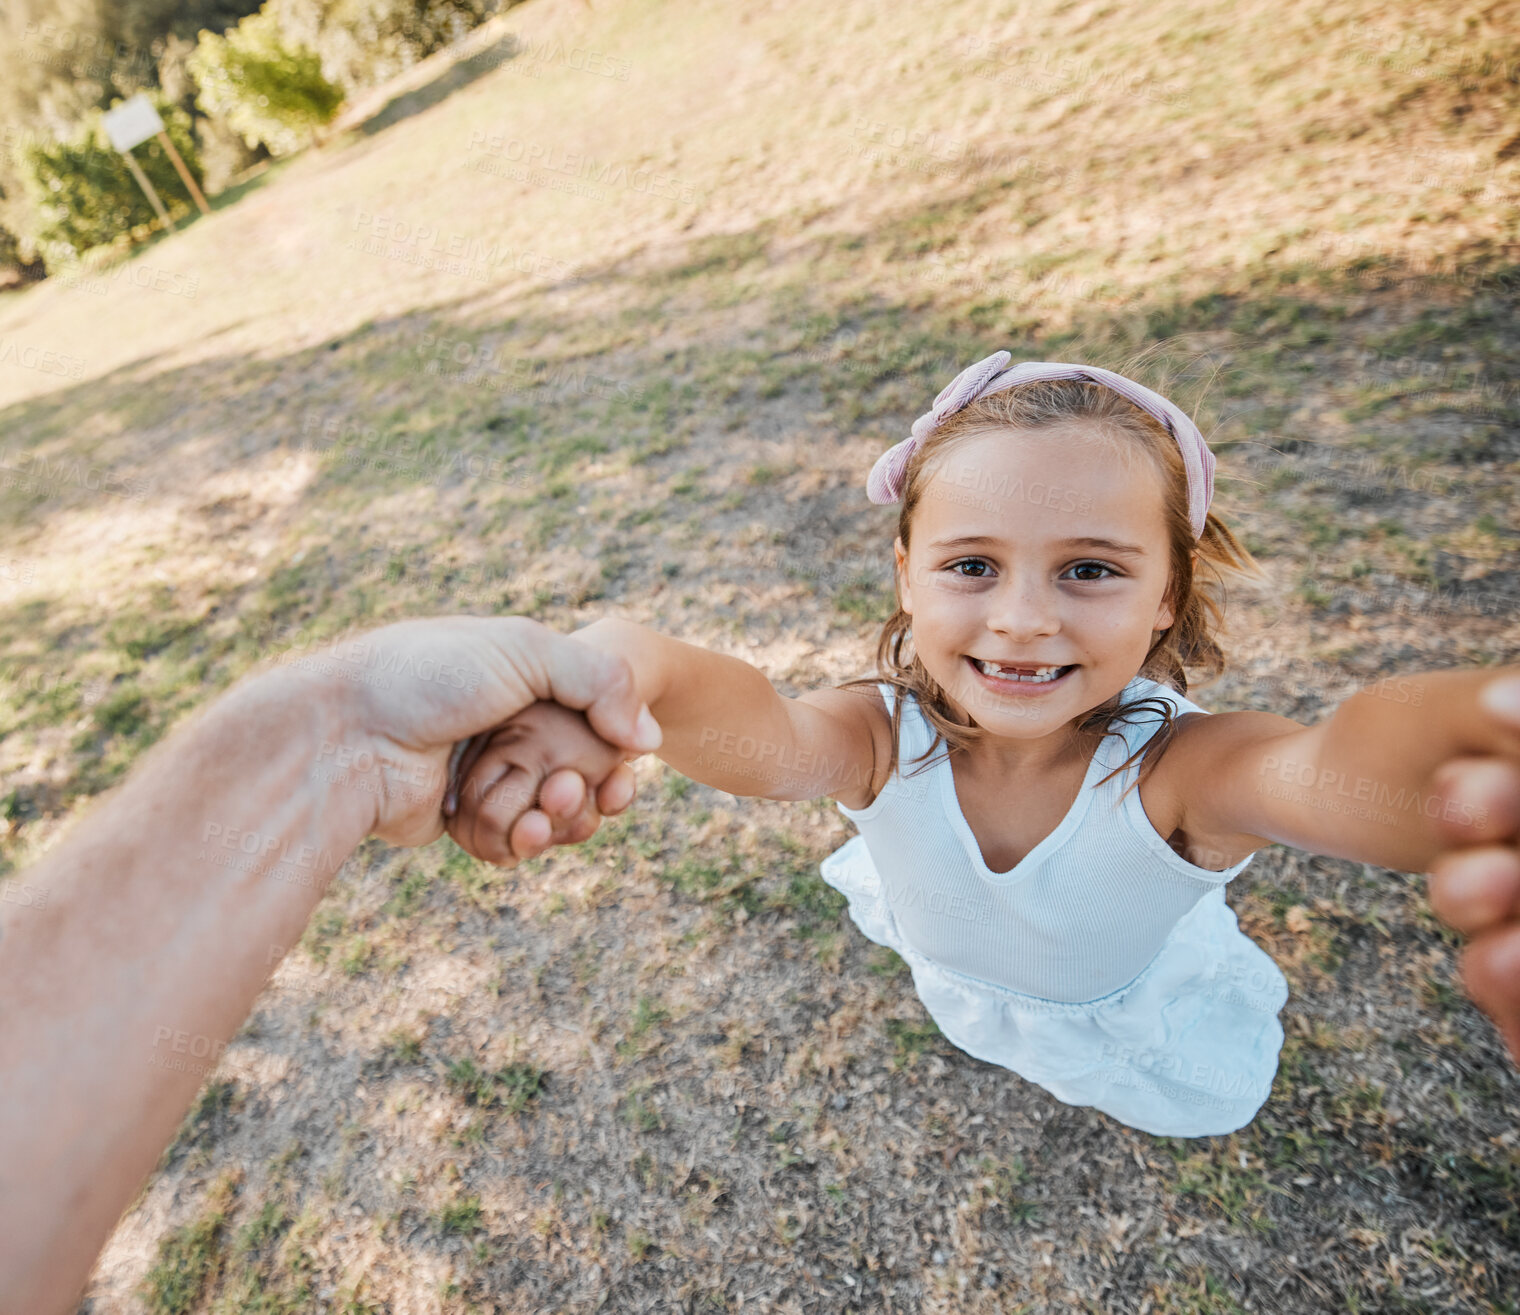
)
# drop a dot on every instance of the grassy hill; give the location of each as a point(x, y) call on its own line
point(613, 315)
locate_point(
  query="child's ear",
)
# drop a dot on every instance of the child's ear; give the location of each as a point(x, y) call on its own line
point(904, 594)
point(1166, 613)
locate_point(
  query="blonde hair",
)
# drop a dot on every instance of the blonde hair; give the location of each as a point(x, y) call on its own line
point(1196, 590)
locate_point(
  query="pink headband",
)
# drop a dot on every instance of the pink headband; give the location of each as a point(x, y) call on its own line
point(993, 376)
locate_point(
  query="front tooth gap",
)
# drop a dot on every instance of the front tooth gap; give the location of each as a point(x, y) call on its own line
point(1051, 673)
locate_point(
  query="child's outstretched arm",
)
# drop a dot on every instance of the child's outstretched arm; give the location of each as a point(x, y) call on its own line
point(1364, 784)
point(726, 725)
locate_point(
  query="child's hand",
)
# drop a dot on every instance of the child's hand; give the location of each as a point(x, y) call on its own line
point(1475, 885)
point(543, 778)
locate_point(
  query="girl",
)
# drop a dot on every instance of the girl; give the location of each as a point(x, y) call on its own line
point(1046, 823)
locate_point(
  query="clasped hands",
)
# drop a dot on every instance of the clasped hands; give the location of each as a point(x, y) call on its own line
point(542, 778)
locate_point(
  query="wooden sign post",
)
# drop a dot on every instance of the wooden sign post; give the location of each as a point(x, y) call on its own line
point(131, 124)
point(184, 173)
point(142, 182)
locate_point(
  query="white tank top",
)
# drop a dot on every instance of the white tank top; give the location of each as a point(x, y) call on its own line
point(1084, 912)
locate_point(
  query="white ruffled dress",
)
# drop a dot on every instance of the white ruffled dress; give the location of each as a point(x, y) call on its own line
point(1104, 966)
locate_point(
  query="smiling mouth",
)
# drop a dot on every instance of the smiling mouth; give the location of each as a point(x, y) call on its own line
point(1020, 675)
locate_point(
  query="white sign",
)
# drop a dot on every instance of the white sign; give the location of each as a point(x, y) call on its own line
point(132, 122)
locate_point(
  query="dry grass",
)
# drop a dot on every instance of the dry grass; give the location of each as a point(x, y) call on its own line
point(660, 1072)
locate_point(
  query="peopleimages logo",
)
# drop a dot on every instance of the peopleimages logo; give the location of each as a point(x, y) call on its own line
point(88, 54)
point(28, 356)
point(411, 455)
point(1176, 1078)
point(495, 370)
point(364, 653)
point(146, 277)
point(1335, 791)
point(32, 472)
point(998, 487)
point(581, 59)
point(394, 237)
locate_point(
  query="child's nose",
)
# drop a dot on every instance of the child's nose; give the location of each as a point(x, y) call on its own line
point(1024, 609)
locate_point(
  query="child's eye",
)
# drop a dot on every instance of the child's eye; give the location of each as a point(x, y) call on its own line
point(1093, 566)
point(975, 568)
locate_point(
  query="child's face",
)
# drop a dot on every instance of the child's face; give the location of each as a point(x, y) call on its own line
point(997, 575)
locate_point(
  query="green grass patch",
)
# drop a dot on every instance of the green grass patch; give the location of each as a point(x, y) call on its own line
point(403, 1046)
point(191, 1257)
point(1237, 1194)
point(1006, 1180)
point(123, 713)
point(1200, 1294)
point(509, 1089)
point(648, 1016)
point(461, 1217)
point(640, 1111)
point(910, 1038)
point(407, 894)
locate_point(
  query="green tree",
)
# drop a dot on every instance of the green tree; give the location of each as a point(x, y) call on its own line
point(82, 193)
point(364, 42)
point(268, 91)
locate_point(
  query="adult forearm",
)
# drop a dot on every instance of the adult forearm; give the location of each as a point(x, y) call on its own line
point(151, 929)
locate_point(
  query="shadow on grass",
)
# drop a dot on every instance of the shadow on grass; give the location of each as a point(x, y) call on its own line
point(230, 196)
point(452, 79)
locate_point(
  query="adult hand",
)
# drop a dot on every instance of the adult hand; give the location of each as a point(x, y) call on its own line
point(1475, 886)
point(421, 686)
